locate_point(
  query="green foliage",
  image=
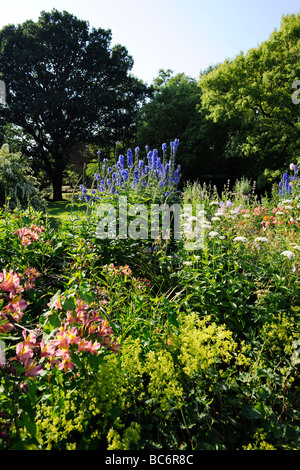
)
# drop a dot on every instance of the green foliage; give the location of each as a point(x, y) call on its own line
point(18, 188)
point(174, 110)
point(122, 347)
point(252, 94)
point(198, 390)
point(58, 89)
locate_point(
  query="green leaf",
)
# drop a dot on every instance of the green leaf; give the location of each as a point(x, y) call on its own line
point(69, 304)
point(54, 299)
point(86, 295)
point(29, 422)
point(251, 413)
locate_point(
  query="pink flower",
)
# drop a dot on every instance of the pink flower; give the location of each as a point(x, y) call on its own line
point(57, 304)
point(47, 350)
point(6, 327)
point(32, 275)
point(62, 340)
point(93, 347)
point(26, 241)
point(32, 370)
point(24, 352)
point(66, 363)
point(29, 235)
point(16, 305)
point(104, 329)
point(10, 282)
point(82, 344)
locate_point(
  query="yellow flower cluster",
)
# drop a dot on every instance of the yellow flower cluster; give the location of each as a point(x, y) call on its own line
point(202, 344)
point(140, 383)
point(55, 423)
point(131, 435)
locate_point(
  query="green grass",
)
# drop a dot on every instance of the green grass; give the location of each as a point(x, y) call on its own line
point(60, 211)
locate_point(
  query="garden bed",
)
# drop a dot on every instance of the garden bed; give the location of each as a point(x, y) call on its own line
point(131, 343)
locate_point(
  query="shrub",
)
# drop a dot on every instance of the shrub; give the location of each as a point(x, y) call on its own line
point(18, 188)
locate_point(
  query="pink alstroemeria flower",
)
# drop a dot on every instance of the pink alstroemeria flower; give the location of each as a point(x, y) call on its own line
point(33, 370)
point(47, 350)
point(10, 281)
point(66, 363)
point(17, 304)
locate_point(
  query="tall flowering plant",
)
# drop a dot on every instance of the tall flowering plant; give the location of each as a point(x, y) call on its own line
point(290, 183)
point(12, 304)
point(153, 173)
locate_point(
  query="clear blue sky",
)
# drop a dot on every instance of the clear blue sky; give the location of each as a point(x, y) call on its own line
point(183, 35)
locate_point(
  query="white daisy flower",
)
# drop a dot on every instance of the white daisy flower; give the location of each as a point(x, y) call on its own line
point(288, 254)
point(213, 234)
point(261, 239)
point(240, 239)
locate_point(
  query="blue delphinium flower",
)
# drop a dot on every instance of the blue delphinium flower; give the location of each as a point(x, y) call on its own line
point(149, 157)
point(129, 158)
point(158, 165)
point(124, 174)
point(121, 160)
point(154, 157)
point(136, 177)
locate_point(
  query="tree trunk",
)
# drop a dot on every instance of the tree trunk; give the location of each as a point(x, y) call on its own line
point(57, 186)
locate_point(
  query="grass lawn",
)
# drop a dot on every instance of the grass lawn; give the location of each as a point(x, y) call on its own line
point(60, 211)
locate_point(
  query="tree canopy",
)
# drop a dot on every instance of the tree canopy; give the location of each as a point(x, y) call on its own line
point(252, 95)
point(173, 112)
point(66, 87)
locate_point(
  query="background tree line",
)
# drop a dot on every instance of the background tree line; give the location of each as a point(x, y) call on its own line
point(69, 94)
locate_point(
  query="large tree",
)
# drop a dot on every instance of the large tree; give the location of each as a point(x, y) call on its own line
point(66, 88)
point(173, 112)
point(252, 95)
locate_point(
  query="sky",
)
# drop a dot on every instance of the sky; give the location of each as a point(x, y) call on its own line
point(186, 36)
